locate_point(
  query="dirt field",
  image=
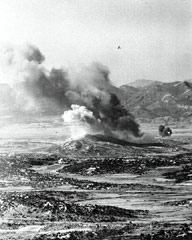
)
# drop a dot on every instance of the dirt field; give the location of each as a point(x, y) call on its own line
point(55, 188)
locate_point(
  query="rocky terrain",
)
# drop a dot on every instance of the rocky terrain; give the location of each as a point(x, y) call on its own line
point(153, 99)
point(97, 187)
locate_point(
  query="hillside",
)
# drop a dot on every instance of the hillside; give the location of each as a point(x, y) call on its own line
point(140, 83)
point(158, 99)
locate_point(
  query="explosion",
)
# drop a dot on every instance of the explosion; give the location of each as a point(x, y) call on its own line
point(85, 97)
point(81, 121)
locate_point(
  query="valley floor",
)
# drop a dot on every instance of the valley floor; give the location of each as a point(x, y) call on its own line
point(91, 189)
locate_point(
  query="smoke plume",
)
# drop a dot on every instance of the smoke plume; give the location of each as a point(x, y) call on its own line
point(86, 96)
point(81, 121)
point(33, 86)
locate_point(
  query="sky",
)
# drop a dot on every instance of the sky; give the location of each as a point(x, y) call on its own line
point(155, 35)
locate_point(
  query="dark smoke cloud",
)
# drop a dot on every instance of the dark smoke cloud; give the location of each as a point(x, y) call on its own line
point(112, 115)
point(32, 53)
point(52, 85)
point(90, 89)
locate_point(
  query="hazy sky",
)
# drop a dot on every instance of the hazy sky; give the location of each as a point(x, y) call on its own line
point(155, 35)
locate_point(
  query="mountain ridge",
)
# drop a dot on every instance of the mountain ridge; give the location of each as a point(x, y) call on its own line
point(158, 99)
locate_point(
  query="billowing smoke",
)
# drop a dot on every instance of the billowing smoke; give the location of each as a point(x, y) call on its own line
point(86, 95)
point(81, 121)
point(79, 113)
point(33, 86)
point(92, 88)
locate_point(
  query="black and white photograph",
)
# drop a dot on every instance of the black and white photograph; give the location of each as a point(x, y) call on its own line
point(95, 119)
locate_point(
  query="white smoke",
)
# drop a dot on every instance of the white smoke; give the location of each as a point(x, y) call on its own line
point(78, 113)
point(19, 64)
point(81, 121)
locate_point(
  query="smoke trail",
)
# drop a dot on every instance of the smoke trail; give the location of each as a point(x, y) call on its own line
point(88, 92)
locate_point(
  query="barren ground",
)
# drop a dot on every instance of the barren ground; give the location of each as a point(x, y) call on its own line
point(51, 188)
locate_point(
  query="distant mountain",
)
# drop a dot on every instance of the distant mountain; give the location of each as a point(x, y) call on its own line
point(140, 83)
point(188, 80)
point(154, 99)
